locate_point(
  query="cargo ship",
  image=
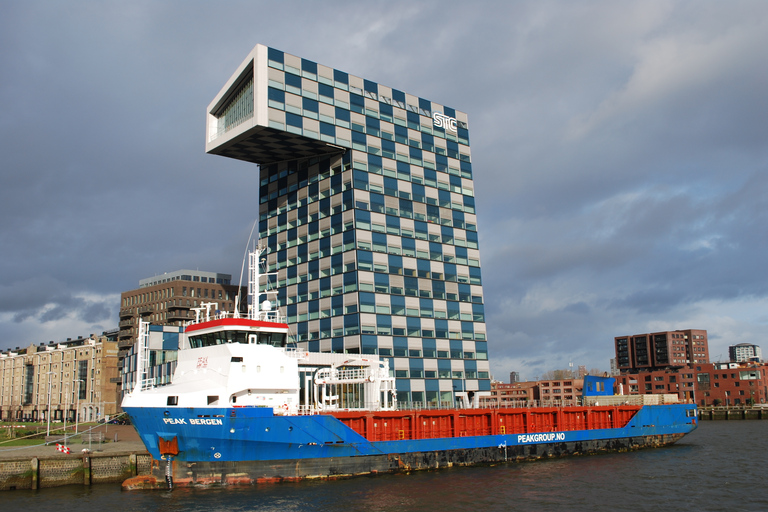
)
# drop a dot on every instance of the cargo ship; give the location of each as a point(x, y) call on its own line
point(245, 407)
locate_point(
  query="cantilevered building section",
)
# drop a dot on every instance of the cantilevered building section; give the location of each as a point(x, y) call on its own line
point(367, 207)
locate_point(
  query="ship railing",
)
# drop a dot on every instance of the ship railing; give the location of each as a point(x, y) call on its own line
point(145, 384)
point(340, 376)
point(349, 405)
point(352, 374)
point(270, 316)
point(608, 400)
point(298, 354)
point(307, 410)
point(490, 404)
point(733, 407)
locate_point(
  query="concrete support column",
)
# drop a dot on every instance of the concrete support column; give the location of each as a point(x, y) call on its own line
point(35, 463)
point(86, 470)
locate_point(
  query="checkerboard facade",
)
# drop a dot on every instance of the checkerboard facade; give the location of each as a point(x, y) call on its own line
point(366, 203)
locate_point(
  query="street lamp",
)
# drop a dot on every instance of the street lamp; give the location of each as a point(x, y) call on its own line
point(77, 406)
point(49, 404)
point(66, 405)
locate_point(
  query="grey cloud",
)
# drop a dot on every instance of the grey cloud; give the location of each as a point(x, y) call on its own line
point(93, 312)
point(55, 313)
point(618, 150)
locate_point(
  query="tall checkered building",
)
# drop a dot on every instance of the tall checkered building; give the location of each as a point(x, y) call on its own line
point(367, 206)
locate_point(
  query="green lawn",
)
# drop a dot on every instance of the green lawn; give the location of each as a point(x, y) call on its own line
point(40, 429)
point(4, 443)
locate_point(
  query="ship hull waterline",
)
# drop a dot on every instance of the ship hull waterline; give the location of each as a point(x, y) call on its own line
point(221, 451)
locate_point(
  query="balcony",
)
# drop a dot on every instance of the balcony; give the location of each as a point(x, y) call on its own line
point(180, 315)
point(124, 344)
point(126, 313)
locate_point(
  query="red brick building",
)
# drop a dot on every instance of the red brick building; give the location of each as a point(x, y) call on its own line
point(704, 384)
point(520, 393)
point(564, 389)
point(509, 395)
point(661, 350)
point(678, 381)
point(731, 383)
point(678, 362)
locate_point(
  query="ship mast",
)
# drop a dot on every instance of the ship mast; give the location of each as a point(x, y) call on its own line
point(266, 310)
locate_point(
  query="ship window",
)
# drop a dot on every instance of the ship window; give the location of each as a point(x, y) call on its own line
point(276, 339)
point(218, 338)
point(173, 400)
point(213, 399)
point(237, 360)
point(237, 337)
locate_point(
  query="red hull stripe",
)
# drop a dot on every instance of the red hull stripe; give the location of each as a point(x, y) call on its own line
point(235, 322)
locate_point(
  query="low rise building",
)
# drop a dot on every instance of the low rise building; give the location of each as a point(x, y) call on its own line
point(731, 384)
point(509, 395)
point(704, 384)
point(561, 390)
point(663, 382)
point(72, 380)
point(518, 394)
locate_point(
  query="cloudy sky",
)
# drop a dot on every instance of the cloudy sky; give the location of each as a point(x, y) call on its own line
point(620, 155)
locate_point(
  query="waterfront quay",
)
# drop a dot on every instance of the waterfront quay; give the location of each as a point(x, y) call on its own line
point(733, 413)
point(122, 455)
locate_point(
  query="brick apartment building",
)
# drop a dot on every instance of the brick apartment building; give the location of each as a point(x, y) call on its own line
point(564, 389)
point(731, 383)
point(678, 362)
point(75, 379)
point(516, 394)
point(509, 395)
point(678, 381)
point(170, 299)
point(661, 350)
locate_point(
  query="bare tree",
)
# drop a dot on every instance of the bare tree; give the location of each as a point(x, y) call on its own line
point(557, 375)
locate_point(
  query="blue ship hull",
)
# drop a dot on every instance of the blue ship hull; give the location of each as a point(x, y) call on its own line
point(247, 445)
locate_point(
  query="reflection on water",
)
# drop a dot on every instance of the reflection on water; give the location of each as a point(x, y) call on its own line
point(718, 467)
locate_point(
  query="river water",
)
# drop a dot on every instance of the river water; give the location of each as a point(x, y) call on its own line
point(720, 466)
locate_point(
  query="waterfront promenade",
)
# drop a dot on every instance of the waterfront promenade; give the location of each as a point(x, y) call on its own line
point(128, 441)
point(121, 456)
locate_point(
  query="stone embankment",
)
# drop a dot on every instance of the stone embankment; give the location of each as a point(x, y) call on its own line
point(123, 456)
point(733, 413)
